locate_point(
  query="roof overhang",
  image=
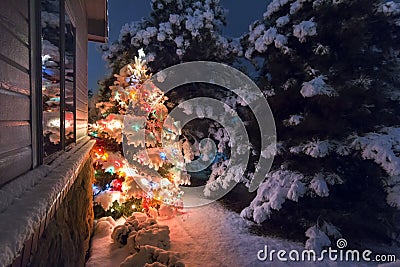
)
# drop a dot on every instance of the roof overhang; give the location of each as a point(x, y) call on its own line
point(97, 16)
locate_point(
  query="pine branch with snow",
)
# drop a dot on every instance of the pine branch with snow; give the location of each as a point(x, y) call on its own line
point(316, 86)
point(317, 239)
point(271, 194)
point(382, 147)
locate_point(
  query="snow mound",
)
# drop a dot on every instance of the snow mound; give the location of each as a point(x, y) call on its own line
point(153, 256)
point(139, 231)
point(155, 235)
point(104, 226)
point(209, 236)
point(136, 241)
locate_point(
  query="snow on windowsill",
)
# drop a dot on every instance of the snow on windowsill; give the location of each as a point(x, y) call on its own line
point(25, 201)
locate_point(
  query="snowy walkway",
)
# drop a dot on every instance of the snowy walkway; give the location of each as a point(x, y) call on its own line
point(208, 236)
point(212, 236)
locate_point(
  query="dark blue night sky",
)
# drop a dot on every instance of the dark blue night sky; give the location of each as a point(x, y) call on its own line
point(241, 14)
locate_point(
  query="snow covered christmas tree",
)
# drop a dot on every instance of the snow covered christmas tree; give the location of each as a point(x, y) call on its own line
point(331, 69)
point(135, 119)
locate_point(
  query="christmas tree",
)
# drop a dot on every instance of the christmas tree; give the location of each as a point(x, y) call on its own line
point(133, 172)
point(331, 72)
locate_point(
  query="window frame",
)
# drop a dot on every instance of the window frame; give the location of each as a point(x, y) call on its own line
point(66, 11)
point(68, 147)
point(36, 82)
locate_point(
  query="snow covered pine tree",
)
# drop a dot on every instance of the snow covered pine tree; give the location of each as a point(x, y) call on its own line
point(175, 32)
point(331, 70)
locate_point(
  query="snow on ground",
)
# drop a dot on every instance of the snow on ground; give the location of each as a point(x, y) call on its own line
point(104, 252)
point(208, 236)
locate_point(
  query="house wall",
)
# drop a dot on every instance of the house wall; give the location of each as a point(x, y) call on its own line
point(18, 91)
point(46, 213)
point(15, 91)
point(65, 241)
point(48, 221)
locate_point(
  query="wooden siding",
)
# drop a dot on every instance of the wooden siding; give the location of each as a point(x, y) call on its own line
point(77, 11)
point(16, 98)
point(15, 93)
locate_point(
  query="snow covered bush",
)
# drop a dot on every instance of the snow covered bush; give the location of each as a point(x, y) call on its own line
point(145, 239)
point(153, 256)
point(335, 64)
point(157, 236)
point(136, 241)
point(139, 230)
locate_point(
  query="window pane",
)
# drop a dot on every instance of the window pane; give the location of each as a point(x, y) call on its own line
point(50, 18)
point(69, 81)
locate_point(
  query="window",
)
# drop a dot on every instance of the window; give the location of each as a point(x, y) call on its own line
point(58, 77)
point(69, 81)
